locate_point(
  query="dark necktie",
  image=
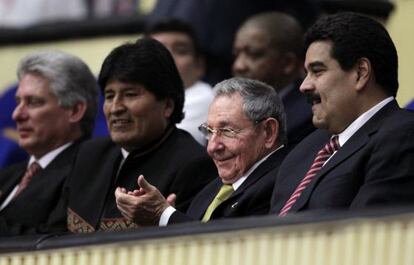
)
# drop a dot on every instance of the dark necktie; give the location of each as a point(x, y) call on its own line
point(317, 164)
point(28, 175)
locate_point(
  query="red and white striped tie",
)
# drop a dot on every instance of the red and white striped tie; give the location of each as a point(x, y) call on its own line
point(317, 164)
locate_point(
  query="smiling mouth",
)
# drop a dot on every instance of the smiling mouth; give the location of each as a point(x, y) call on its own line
point(120, 123)
point(221, 160)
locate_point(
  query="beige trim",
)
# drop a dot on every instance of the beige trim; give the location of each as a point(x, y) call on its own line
point(388, 240)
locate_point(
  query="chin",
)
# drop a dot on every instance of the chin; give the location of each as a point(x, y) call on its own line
point(227, 178)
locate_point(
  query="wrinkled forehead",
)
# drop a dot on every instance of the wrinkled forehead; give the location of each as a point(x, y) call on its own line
point(226, 110)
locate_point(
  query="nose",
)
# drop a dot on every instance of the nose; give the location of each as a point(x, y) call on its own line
point(117, 105)
point(307, 84)
point(214, 144)
point(19, 112)
point(239, 67)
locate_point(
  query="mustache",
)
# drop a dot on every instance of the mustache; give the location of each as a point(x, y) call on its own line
point(312, 97)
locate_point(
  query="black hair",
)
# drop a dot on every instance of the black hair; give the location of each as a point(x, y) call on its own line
point(175, 25)
point(148, 63)
point(356, 36)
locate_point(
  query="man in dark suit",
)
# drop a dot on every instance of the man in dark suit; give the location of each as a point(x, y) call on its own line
point(144, 98)
point(351, 82)
point(269, 47)
point(56, 107)
point(245, 129)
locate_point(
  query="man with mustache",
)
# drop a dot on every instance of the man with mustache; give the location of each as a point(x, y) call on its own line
point(56, 105)
point(144, 98)
point(246, 132)
point(362, 155)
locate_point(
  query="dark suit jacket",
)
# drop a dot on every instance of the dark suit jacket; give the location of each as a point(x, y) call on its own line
point(251, 198)
point(39, 208)
point(177, 164)
point(298, 114)
point(373, 168)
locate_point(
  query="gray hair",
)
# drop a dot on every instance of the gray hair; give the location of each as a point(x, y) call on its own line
point(70, 79)
point(260, 101)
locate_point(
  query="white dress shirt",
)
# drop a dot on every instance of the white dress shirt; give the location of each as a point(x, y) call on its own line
point(344, 136)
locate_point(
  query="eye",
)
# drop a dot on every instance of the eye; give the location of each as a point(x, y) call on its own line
point(182, 50)
point(130, 94)
point(318, 71)
point(255, 53)
point(228, 132)
point(35, 102)
point(109, 96)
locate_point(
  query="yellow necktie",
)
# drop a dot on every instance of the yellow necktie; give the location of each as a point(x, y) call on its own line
point(224, 193)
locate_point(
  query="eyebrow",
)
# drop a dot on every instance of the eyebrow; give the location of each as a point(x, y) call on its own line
point(316, 64)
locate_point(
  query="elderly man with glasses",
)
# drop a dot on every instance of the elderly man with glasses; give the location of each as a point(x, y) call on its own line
point(246, 132)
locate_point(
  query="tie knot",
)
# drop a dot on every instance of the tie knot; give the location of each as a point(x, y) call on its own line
point(34, 168)
point(332, 145)
point(225, 191)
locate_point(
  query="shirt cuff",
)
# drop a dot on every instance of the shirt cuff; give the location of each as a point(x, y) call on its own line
point(165, 216)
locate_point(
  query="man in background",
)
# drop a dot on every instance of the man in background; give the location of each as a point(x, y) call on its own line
point(180, 39)
point(269, 47)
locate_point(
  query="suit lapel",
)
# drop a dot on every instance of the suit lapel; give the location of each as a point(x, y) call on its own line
point(355, 143)
point(53, 176)
point(255, 176)
point(108, 177)
point(12, 178)
point(205, 199)
point(261, 170)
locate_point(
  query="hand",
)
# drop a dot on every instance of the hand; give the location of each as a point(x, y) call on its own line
point(143, 206)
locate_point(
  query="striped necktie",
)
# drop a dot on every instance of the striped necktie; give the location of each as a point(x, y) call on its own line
point(28, 175)
point(317, 164)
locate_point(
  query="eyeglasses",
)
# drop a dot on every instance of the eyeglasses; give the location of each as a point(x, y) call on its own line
point(227, 132)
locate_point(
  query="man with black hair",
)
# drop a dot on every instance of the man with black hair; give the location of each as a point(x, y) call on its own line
point(362, 155)
point(144, 98)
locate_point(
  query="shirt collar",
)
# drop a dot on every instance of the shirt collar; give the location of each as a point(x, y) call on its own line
point(361, 120)
point(125, 153)
point(240, 181)
point(45, 160)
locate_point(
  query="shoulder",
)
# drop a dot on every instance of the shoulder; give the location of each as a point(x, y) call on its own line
point(97, 145)
point(11, 170)
point(182, 141)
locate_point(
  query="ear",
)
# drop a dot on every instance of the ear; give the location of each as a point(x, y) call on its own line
point(363, 73)
point(271, 130)
point(77, 112)
point(290, 63)
point(169, 108)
